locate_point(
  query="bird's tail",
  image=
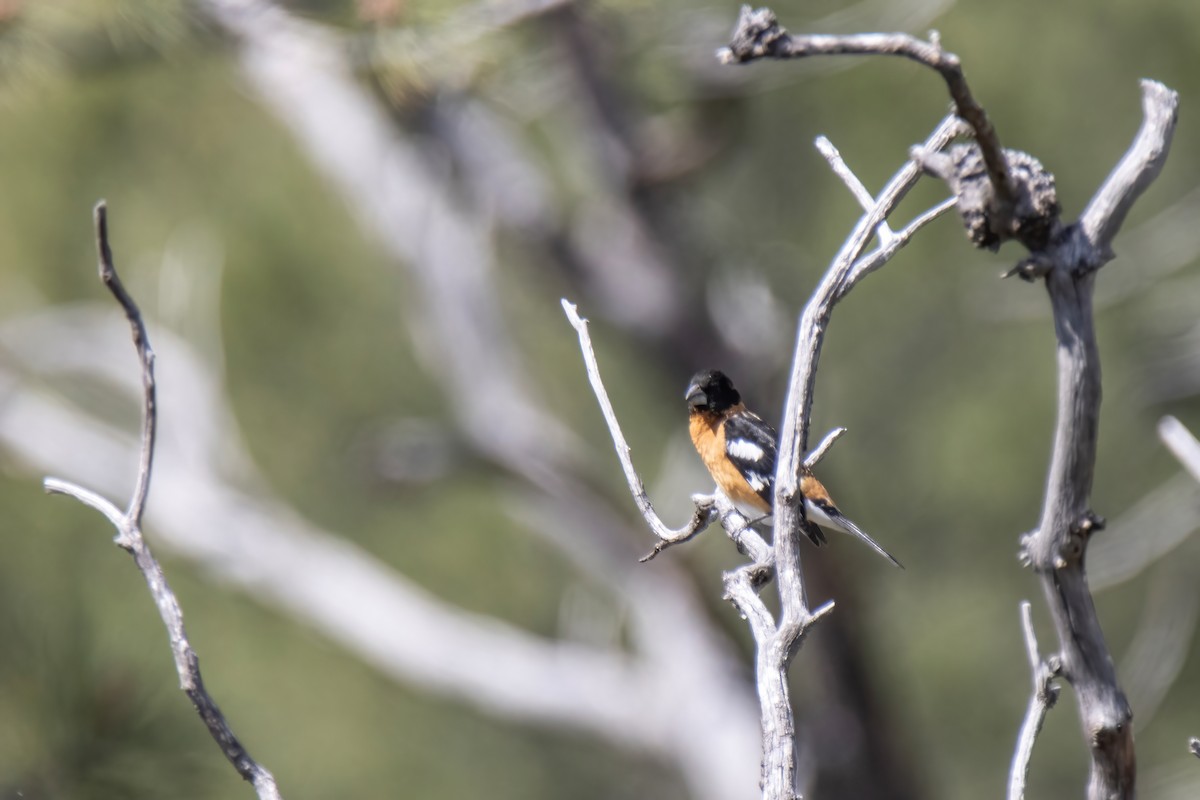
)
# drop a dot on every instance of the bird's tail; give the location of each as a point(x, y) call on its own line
point(838, 520)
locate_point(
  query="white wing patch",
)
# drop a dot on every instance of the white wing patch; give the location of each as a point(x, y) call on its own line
point(757, 482)
point(746, 450)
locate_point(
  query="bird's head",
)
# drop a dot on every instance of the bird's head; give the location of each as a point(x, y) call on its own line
point(711, 392)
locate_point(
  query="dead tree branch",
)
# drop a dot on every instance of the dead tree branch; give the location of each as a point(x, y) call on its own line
point(1041, 700)
point(1056, 550)
point(795, 619)
point(1010, 195)
point(705, 506)
point(759, 35)
point(129, 536)
point(778, 641)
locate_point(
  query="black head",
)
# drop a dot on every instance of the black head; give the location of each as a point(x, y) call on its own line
point(711, 391)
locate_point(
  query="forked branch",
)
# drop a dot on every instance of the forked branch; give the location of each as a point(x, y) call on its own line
point(129, 535)
point(758, 34)
point(1057, 549)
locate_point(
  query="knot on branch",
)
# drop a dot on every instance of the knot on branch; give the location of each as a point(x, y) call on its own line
point(756, 34)
point(1111, 733)
point(1031, 217)
point(1047, 672)
point(1089, 523)
point(1032, 268)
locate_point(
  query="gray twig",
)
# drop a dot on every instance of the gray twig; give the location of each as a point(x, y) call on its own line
point(856, 187)
point(818, 453)
point(705, 506)
point(129, 535)
point(1041, 700)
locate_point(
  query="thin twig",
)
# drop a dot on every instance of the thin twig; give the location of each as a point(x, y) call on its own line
point(877, 258)
point(759, 35)
point(703, 514)
point(818, 453)
point(129, 536)
point(1041, 700)
point(856, 187)
point(108, 275)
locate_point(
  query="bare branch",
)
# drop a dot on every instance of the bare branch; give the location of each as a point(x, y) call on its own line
point(89, 498)
point(108, 275)
point(704, 507)
point(1041, 700)
point(1056, 550)
point(1180, 441)
point(795, 618)
point(1135, 172)
point(759, 35)
point(843, 171)
point(877, 258)
point(818, 453)
point(129, 537)
point(839, 279)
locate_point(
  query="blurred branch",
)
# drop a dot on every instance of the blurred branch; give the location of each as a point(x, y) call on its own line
point(1162, 640)
point(1043, 698)
point(257, 542)
point(398, 191)
point(129, 535)
point(1180, 441)
point(1157, 524)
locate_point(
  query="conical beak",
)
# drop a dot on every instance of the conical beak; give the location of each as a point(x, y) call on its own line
point(696, 398)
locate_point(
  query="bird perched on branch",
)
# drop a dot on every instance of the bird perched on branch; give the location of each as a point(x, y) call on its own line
point(739, 449)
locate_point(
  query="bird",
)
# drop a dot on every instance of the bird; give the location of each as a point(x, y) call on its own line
point(739, 449)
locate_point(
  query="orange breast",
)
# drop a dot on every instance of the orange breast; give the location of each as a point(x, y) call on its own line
point(708, 435)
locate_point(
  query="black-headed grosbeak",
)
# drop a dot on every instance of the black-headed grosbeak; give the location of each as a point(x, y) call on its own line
point(739, 449)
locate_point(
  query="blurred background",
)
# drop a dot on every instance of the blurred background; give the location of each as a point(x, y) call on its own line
point(385, 495)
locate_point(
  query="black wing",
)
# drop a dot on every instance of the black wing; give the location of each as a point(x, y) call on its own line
point(750, 446)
